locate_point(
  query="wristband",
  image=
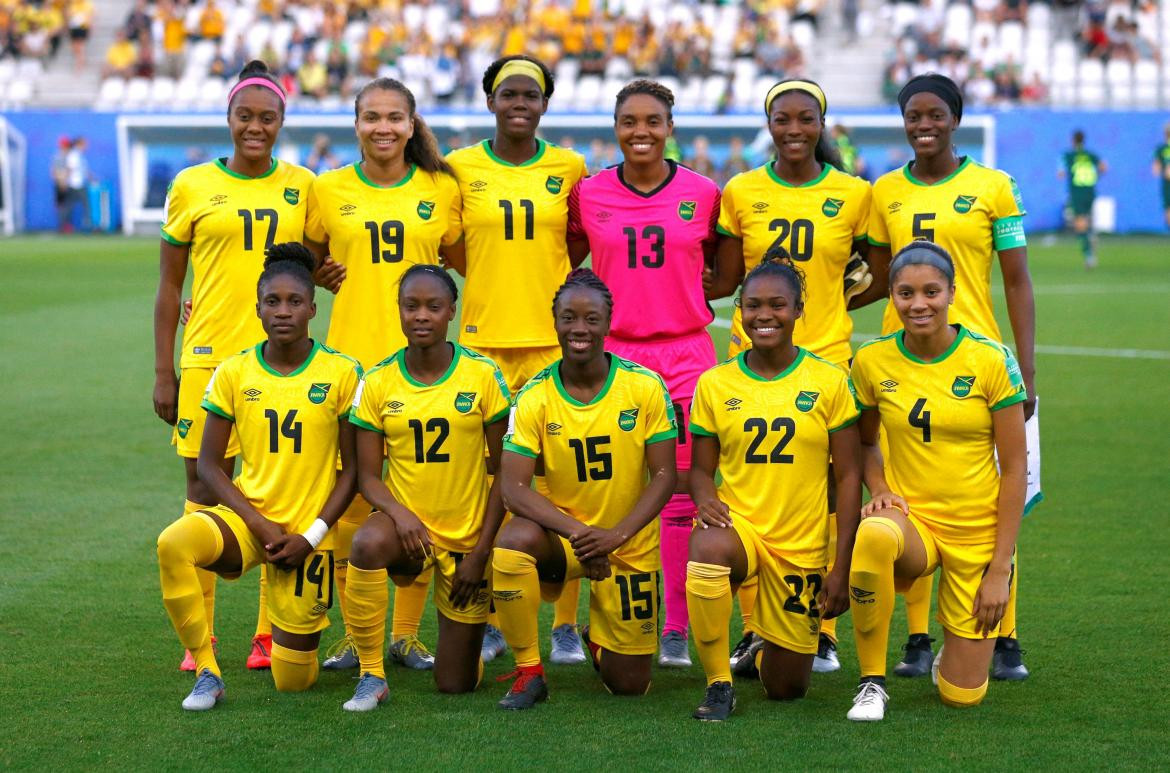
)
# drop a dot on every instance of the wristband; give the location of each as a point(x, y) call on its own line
point(315, 533)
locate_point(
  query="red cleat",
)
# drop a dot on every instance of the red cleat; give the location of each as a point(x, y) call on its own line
point(261, 656)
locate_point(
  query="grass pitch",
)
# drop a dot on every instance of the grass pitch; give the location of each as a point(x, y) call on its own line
point(88, 660)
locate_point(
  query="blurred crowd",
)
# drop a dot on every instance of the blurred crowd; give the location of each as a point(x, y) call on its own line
point(39, 30)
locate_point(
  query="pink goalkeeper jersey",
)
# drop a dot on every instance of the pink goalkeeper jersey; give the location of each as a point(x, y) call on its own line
point(648, 247)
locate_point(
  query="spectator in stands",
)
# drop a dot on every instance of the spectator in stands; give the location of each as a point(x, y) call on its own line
point(121, 57)
point(79, 17)
point(337, 68)
point(60, 173)
point(736, 162)
point(1095, 39)
point(77, 179)
point(322, 158)
point(174, 39)
point(212, 22)
point(312, 77)
point(1065, 18)
point(138, 20)
point(1034, 92)
point(699, 159)
point(144, 65)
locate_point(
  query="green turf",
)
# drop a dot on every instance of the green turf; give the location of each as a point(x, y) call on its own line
point(88, 660)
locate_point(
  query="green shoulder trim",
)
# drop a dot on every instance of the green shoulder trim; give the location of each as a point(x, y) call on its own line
point(877, 340)
point(536, 380)
point(845, 424)
point(724, 232)
point(211, 407)
point(1018, 397)
point(518, 449)
point(353, 360)
point(499, 416)
point(668, 434)
point(354, 420)
point(172, 240)
point(875, 242)
point(697, 430)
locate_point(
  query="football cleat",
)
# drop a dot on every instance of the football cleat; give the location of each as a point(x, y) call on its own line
point(718, 703)
point(528, 690)
point(869, 705)
point(412, 653)
point(493, 644)
point(826, 661)
point(1007, 663)
point(188, 663)
point(918, 658)
point(207, 692)
point(672, 650)
point(371, 691)
point(261, 655)
point(342, 656)
point(566, 646)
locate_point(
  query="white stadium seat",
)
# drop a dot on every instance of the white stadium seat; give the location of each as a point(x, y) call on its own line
point(1011, 41)
point(1119, 79)
point(162, 92)
point(1091, 83)
point(20, 91)
point(212, 93)
point(137, 92)
point(957, 25)
point(110, 93)
point(1145, 83)
point(588, 92)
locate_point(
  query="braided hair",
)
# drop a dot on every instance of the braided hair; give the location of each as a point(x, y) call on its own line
point(586, 279)
point(429, 269)
point(649, 88)
point(777, 262)
point(288, 258)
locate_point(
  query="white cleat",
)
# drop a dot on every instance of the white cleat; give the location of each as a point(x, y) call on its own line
point(207, 692)
point(370, 692)
point(870, 703)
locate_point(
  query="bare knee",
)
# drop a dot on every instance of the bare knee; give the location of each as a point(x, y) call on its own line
point(713, 546)
point(628, 684)
point(785, 690)
point(452, 684)
point(372, 547)
point(521, 535)
point(625, 675)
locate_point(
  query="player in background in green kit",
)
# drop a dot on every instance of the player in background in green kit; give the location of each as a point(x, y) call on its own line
point(1083, 168)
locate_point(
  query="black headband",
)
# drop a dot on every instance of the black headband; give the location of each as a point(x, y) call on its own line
point(915, 254)
point(932, 83)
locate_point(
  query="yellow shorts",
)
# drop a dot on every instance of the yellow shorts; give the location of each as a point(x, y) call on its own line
point(963, 567)
point(786, 611)
point(351, 520)
point(623, 608)
point(445, 562)
point(519, 365)
point(188, 432)
point(298, 601)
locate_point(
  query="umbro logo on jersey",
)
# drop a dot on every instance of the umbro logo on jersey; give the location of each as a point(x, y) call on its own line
point(832, 207)
point(318, 393)
point(183, 426)
point(733, 404)
point(218, 199)
point(806, 400)
point(347, 209)
point(686, 210)
point(962, 385)
point(395, 407)
point(252, 394)
point(895, 206)
point(425, 209)
point(649, 627)
point(963, 204)
point(553, 429)
point(889, 385)
point(760, 206)
point(464, 401)
point(554, 184)
point(860, 595)
point(604, 216)
point(627, 419)
point(478, 185)
point(292, 195)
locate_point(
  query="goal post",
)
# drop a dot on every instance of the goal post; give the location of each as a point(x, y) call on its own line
point(13, 168)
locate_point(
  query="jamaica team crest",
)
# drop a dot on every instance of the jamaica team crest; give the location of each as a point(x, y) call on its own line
point(318, 393)
point(554, 184)
point(962, 385)
point(292, 195)
point(464, 401)
point(806, 400)
point(686, 210)
point(963, 204)
point(627, 419)
point(183, 426)
point(425, 209)
point(832, 207)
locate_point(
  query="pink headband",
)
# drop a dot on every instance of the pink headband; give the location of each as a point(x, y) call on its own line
point(256, 82)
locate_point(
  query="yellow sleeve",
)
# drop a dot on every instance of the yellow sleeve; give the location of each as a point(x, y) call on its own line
point(454, 230)
point(366, 411)
point(350, 379)
point(1009, 202)
point(877, 233)
point(496, 400)
point(1005, 384)
point(861, 227)
point(582, 171)
point(660, 422)
point(860, 382)
point(220, 390)
point(728, 224)
point(524, 425)
point(702, 417)
point(844, 410)
point(178, 227)
point(314, 225)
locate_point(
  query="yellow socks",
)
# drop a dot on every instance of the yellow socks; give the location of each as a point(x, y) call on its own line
point(918, 605)
point(1007, 626)
point(565, 607)
point(408, 606)
point(960, 697)
point(829, 627)
point(516, 590)
point(709, 605)
point(345, 531)
point(871, 590)
point(747, 601)
point(293, 670)
point(263, 625)
point(191, 541)
point(206, 578)
point(367, 600)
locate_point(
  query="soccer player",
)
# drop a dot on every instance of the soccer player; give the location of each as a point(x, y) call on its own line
point(605, 429)
point(515, 190)
point(221, 217)
point(975, 213)
point(433, 405)
point(819, 215)
point(1161, 169)
point(650, 225)
point(950, 493)
point(767, 421)
point(397, 207)
point(1083, 168)
point(288, 399)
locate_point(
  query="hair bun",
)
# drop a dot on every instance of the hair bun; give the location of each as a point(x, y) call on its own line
point(255, 67)
point(293, 252)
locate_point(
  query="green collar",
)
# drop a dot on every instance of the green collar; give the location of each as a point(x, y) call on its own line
point(962, 165)
point(780, 181)
point(357, 167)
point(556, 372)
point(401, 357)
point(223, 167)
point(741, 358)
point(540, 146)
point(900, 338)
point(278, 374)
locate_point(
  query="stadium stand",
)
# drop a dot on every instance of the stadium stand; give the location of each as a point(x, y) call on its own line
point(717, 56)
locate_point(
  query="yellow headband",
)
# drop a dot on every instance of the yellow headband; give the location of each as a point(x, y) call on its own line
point(521, 67)
point(806, 86)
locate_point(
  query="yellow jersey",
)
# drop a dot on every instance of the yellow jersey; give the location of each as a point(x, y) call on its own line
point(377, 234)
point(972, 213)
point(287, 425)
point(595, 453)
point(936, 417)
point(228, 220)
point(774, 447)
point(515, 218)
point(817, 223)
point(434, 439)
